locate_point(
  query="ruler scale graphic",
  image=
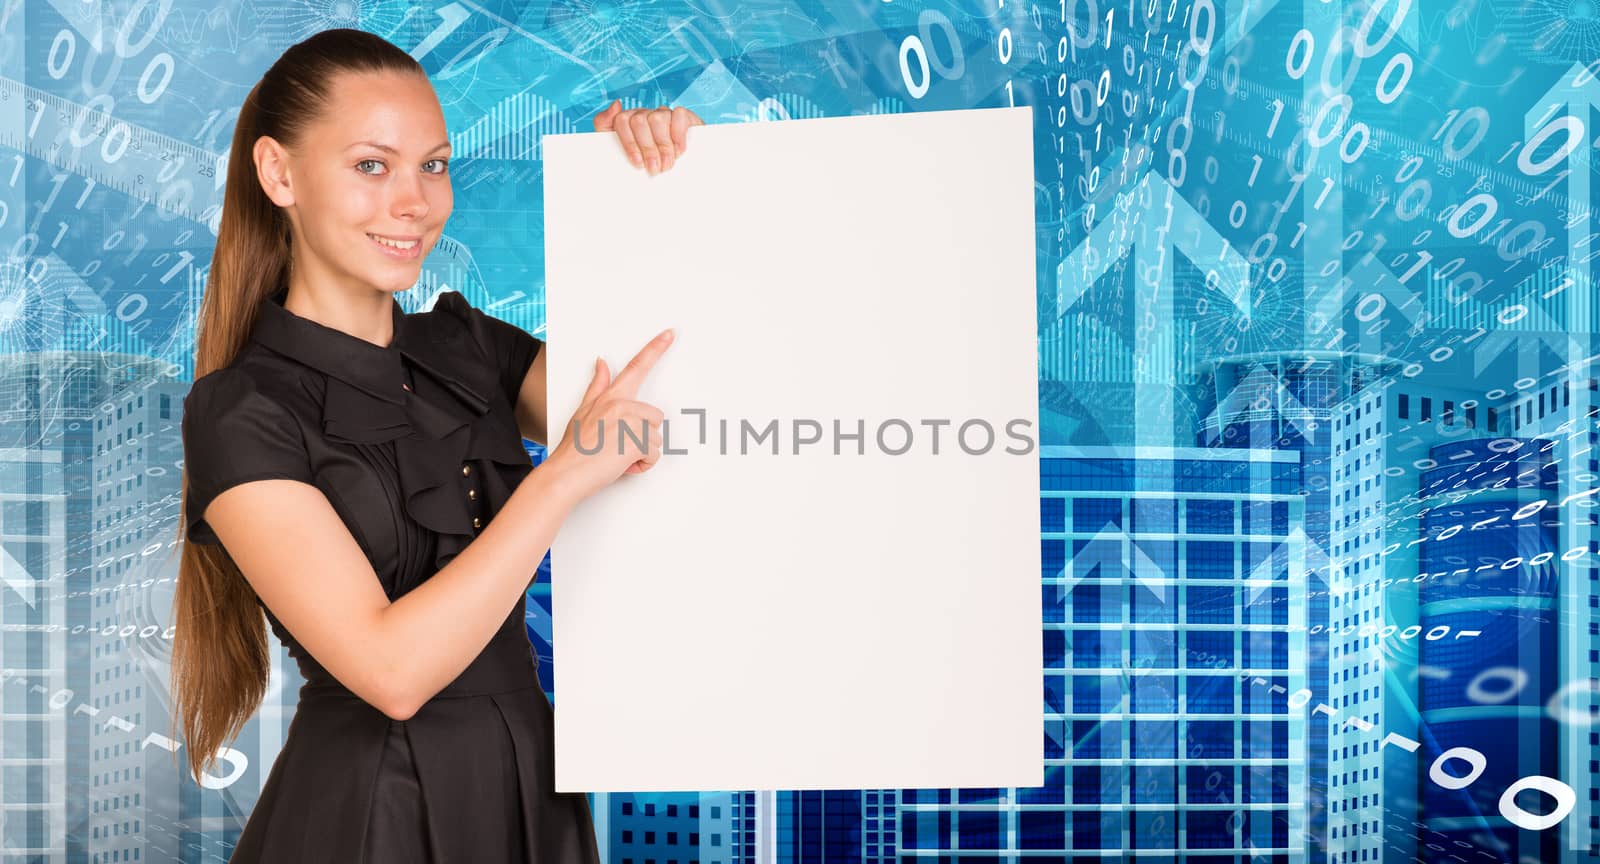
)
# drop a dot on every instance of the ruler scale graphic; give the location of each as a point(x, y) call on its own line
point(174, 176)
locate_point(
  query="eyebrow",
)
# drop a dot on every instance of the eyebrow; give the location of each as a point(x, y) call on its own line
point(387, 149)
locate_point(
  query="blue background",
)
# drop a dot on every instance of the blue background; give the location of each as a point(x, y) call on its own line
point(1316, 321)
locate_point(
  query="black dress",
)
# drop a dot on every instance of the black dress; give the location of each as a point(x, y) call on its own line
point(416, 447)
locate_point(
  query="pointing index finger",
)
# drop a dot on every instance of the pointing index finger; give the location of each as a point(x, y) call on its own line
point(626, 383)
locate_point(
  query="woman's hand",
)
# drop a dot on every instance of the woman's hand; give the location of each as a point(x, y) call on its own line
point(653, 138)
point(607, 406)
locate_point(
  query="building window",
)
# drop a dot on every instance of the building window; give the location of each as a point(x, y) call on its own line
point(1404, 407)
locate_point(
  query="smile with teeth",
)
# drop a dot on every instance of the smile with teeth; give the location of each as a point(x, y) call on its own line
point(394, 244)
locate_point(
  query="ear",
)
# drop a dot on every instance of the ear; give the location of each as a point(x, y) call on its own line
point(272, 169)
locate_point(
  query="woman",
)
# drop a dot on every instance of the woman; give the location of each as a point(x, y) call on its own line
point(345, 463)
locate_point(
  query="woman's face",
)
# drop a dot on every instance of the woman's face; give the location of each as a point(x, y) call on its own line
point(367, 191)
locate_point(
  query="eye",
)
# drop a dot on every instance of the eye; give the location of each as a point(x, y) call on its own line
point(367, 162)
point(444, 165)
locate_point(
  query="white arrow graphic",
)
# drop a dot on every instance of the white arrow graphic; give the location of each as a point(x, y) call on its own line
point(1153, 220)
point(16, 577)
point(1560, 119)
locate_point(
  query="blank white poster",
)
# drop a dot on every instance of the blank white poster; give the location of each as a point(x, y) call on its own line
point(831, 579)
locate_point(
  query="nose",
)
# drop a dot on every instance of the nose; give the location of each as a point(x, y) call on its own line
point(408, 199)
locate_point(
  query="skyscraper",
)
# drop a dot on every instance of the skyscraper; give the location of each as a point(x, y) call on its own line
point(1170, 585)
point(1561, 411)
point(1286, 400)
point(1418, 495)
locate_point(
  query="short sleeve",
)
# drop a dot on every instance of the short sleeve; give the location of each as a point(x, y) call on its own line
point(232, 434)
point(510, 348)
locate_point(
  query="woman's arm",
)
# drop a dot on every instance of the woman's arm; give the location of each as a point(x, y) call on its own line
point(303, 563)
point(530, 409)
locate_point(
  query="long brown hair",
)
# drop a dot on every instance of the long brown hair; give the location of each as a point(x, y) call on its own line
point(220, 655)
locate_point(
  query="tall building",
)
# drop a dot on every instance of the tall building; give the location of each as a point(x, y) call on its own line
point(670, 828)
point(1172, 583)
point(1286, 400)
point(1373, 509)
point(1562, 410)
point(1488, 567)
point(1421, 507)
point(88, 489)
point(52, 715)
point(34, 763)
point(135, 790)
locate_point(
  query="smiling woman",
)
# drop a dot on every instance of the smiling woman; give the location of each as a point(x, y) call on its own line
point(360, 174)
point(383, 444)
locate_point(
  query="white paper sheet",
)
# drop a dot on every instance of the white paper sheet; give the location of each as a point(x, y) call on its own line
point(810, 621)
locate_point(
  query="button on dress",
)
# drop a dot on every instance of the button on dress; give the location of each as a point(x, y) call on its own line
point(416, 447)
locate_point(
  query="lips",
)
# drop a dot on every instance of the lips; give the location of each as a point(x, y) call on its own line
point(402, 246)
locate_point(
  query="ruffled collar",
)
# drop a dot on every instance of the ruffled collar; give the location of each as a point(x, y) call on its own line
point(375, 370)
point(446, 420)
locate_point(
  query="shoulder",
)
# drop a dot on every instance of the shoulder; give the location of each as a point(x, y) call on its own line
point(499, 341)
point(256, 377)
point(235, 429)
point(501, 348)
point(257, 394)
point(214, 392)
point(452, 317)
point(455, 304)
